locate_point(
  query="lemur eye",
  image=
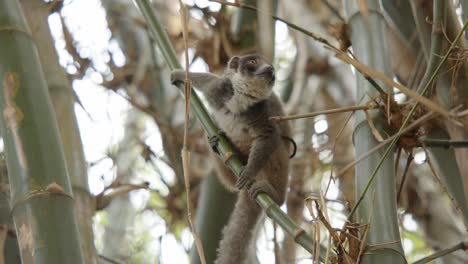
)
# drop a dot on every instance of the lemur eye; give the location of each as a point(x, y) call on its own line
point(252, 62)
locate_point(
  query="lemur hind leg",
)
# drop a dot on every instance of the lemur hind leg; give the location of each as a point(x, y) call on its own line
point(264, 186)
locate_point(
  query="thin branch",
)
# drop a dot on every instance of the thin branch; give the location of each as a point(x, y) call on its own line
point(107, 259)
point(325, 112)
point(332, 178)
point(393, 140)
point(442, 143)
point(103, 200)
point(405, 173)
point(378, 75)
point(416, 123)
point(185, 153)
point(440, 182)
point(289, 24)
point(461, 245)
point(333, 10)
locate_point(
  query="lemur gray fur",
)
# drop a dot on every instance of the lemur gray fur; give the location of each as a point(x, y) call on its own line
point(242, 102)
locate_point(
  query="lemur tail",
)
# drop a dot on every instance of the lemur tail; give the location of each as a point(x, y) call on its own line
point(239, 235)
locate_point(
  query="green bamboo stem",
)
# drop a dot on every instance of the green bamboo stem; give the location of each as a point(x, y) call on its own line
point(41, 195)
point(212, 216)
point(289, 24)
point(379, 210)
point(446, 166)
point(424, 88)
point(464, 4)
point(9, 248)
point(63, 101)
point(224, 148)
point(242, 19)
point(434, 64)
point(421, 27)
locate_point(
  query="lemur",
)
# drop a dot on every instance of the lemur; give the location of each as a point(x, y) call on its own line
point(242, 102)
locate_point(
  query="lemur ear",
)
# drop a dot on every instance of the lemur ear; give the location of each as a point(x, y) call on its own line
point(233, 63)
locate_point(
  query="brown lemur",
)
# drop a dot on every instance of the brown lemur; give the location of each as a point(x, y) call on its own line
point(242, 102)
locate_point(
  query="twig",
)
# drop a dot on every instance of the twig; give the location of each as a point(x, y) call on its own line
point(103, 200)
point(185, 152)
point(403, 178)
point(416, 123)
point(289, 24)
point(107, 259)
point(444, 252)
point(393, 140)
point(332, 178)
point(462, 113)
point(440, 182)
point(372, 127)
point(442, 143)
point(325, 112)
point(363, 244)
point(333, 10)
point(332, 231)
point(397, 161)
point(378, 75)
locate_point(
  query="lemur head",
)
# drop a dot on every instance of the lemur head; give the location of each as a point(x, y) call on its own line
point(252, 75)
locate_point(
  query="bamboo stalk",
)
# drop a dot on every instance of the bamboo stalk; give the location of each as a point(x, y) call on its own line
point(424, 89)
point(41, 195)
point(461, 245)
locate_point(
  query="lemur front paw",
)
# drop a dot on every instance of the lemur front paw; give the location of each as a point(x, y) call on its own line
point(177, 75)
point(214, 141)
point(263, 186)
point(246, 178)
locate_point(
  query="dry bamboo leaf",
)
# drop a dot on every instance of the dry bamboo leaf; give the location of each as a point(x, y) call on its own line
point(185, 153)
point(378, 75)
point(372, 127)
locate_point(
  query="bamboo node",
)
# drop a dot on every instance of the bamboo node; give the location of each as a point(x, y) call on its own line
point(55, 188)
point(227, 156)
point(297, 233)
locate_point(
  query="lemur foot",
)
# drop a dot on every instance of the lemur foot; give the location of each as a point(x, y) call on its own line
point(246, 178)
point(214, 141)
point(265, 187)
point(177, 75)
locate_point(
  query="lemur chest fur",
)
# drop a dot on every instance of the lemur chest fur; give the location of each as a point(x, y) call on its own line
point(235, 128)
point(231, 117)
point(247, 91)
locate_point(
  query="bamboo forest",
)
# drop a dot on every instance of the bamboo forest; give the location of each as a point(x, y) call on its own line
point(233, 131)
